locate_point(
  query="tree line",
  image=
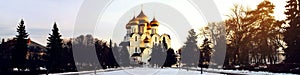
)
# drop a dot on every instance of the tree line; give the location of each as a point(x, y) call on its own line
point(254, 40)
point(17, 57)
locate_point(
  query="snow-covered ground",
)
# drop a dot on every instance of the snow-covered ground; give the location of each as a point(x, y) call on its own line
point(170, 71)
point(154, 71)
point(243, 72)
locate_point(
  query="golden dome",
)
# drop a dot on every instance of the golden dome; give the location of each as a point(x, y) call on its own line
point(128, 25)
point(134, 21)
point(154, 22)
point(142, 18)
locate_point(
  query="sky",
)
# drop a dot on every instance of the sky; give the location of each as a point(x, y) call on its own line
point(40, 15)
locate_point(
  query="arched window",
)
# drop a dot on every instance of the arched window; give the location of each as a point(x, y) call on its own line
point(141, 29)
point(153, 31)
point(135, 38)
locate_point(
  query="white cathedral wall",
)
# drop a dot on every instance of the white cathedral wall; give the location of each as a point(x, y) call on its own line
point(134, 28)
point(155, 41)
point(154, 29)
point(134, 43)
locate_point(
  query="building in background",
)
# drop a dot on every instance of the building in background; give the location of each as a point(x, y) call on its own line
point(141, 35)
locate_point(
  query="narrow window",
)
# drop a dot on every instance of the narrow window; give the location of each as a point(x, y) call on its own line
point(135, 38)
point(153, 31)
point(141, 29)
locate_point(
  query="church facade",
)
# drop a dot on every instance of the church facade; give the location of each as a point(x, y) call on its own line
point(141, 35)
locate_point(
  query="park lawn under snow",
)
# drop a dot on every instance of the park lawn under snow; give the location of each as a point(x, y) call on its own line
point(154, 71)
point(170, 71)
point(243, 72)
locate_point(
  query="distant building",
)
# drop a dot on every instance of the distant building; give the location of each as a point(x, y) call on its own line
point(35, 51)
point(141, 36)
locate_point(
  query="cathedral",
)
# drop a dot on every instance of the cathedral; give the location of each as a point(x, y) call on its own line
point(141, 35)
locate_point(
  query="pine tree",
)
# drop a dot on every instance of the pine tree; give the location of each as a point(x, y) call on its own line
point(112, 63)
point(68, 63)
point(292, 33)
point(54, 50)
point(205, 53)
point(124, 57)
point(69, 57)
point(164, 42)
point(190, 52)
point(20, 51)
point(158, 55)
point(171, 58)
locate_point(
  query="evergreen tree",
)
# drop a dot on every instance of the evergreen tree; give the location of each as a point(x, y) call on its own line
point(103, 55)
point(68, 62)
point(171, 58)
point(112, 63)
point(190, 52)
point(55, 50)
point(20, 51)
point(158, 55)
point(164, 42)
point(292, 33)
point(99, 51)
point(124, 57)
point(205, 53)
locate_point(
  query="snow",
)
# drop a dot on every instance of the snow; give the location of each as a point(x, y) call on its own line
point(154, 71)
point(244, 72)
point(170, 71)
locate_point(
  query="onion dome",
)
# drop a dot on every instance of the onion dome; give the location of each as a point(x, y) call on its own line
point(134, 21)
point(142, 18)
point(154, 22)
point(129, 23)
point(146, 40)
